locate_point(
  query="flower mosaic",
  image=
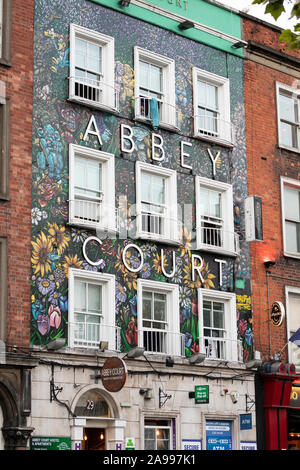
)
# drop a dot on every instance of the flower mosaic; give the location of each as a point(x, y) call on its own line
point(57, 246)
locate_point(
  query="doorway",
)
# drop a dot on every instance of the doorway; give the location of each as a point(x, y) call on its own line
point(94, 439)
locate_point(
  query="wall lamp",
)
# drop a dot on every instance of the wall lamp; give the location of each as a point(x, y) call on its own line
point(254, 364)
point(197, 358)
point(186, 25)
point(269, 263)
point(169, 362)
point(135, 352)
point(239, 44)
point(124, 3)
point(56, 344)
point(103, 346)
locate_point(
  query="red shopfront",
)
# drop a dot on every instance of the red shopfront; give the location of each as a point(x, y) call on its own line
point(282, 409)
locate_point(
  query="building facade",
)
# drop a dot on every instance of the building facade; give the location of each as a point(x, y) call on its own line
point(16, 81)
point(138, 180)
point(272, 115)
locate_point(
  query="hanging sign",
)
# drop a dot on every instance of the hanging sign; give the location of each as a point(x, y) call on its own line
point(245, 421)
point(114, 374)
point(277, 313)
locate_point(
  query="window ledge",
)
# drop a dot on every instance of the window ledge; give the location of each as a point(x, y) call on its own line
point(289, 149)
point(291, 255)
point(162, 125)
point(155, 238)
point(220, 251)
point(216, 140)
point(93, 104)
point(109, 230)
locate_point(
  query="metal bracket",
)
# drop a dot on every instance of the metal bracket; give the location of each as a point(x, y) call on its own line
point(163, 396)
point(250, 402)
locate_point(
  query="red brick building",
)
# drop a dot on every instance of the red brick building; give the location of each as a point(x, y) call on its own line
point(16, 45)
point(272, 98)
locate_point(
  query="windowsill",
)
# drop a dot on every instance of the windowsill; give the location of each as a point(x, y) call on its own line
point(155, 238)
point(93, 104)
point(5, 62)
point(110, 230)
point(216, 140)
point(4, 198)
point(289, 149)
point(218, 250)
point(291, 255)
point(162, 125)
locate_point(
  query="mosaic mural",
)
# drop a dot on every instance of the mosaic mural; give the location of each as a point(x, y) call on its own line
point(57, 246)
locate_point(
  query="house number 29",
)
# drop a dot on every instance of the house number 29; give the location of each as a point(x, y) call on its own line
point(90, 405)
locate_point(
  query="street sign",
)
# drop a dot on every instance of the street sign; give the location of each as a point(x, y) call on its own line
point(201, 394)
point(50, 443)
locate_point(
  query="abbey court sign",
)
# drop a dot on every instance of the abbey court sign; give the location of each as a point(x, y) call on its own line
point(114, 374)
point(277, 313)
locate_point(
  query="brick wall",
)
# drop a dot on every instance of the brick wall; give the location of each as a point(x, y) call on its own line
point(15, 220)
point(266, 164)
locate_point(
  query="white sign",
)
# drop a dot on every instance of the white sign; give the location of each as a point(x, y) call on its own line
point(248, 446)
point(191, 444)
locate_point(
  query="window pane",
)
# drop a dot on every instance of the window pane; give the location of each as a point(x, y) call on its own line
point(163, 439)
point(215, 204)
point(146, 187)
point(80, 296)
point(94, 176)
point(201, 93)
point(292, 234)
point(158, 189)
point(160, 307)
point(288, 135)
point(206, 313)
point(218, 315)
point(212, 96)
point(288, 108)
point(80, 173)
point(291, 203)
point(155, 78)
point(147, 304)
point(80, 53)
point(207, 95)
point(144, 74)
point(93, 57)
point(95, 298)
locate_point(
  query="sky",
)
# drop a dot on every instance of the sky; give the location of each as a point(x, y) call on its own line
point(258, 10)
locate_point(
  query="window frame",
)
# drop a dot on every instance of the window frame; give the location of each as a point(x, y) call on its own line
point(290, 91)
point(108, 176)
point(172, 309)
point(169, 120)
point(108, 69)
point(229, 301)
point(5, 150)
point(171, 234)
point(223, 86)
point(285, 181)
point(5, 32)
point(229, 247)
point(291, 290)
point(170, 428)
point(107, 281)
point(3, 286)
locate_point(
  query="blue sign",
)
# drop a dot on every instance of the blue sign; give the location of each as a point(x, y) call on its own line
point(245, 422)
point(218, 435)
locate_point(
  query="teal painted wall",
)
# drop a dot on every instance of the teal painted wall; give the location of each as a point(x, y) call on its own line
point(200, 11)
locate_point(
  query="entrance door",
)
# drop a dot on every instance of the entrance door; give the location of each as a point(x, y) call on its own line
point(94, 439)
